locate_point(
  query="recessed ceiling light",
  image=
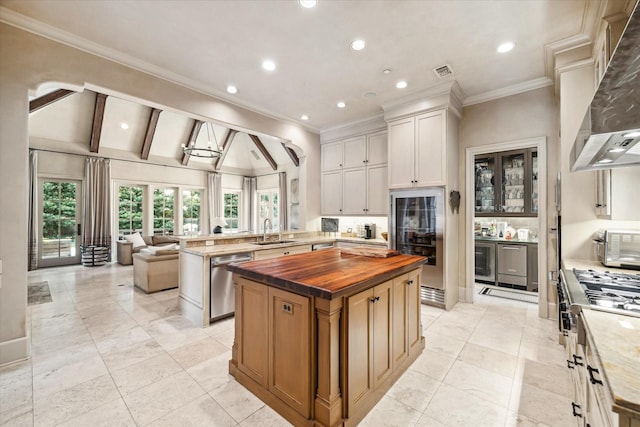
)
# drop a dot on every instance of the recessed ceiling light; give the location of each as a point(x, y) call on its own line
point(633, 134)
point(341, 104)
point(605, 161)
point(506, 47)
point(369, 95)
point(232, 89)
point(358, 44)
point(308, 4)
point(386, 71)
point(401, 84)
point(268, 65)
point(304, 117)
point(124, 125)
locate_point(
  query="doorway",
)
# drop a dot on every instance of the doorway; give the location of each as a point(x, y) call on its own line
point(60, 222)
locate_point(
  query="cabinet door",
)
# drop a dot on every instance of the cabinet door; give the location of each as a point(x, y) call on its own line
point(377, 193)
point(359, 335)
point(400, 345)
point(430, 168)
point(486, 180)
point(414, 327)
point(289, 356)
point(513, 188)
point(331, 193)
point(252, 314)
point(401, 153)
point(354, 201)
point(354, 152)
point(377, 149)
point(603, 193)
point(331, 156)
point(382, 320)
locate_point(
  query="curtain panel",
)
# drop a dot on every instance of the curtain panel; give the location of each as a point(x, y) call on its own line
point(34, 211)
point(215, 198)
point(249, 209)
point(97, 203)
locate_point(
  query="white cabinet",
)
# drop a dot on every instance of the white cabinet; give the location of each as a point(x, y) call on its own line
point(417, 150)
point(354, 176)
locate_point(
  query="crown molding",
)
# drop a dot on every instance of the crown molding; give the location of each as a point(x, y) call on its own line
point(534, 84)
point(41, 29)
point(358, 127)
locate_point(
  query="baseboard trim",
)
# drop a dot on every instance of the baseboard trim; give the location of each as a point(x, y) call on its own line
point(15, 350)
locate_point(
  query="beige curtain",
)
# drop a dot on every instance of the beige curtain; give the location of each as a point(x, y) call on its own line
point(249, 210)
point(97, 203)
point(215, 198)
point(34, 211)
point(282, 201)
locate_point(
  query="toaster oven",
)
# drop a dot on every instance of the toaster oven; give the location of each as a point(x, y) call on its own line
point(618, 248)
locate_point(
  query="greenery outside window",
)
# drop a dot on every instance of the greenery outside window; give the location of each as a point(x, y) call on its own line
point(232, 210)
point(191, 211)
point(163, 210)
point(268, 208)
point(129, 210)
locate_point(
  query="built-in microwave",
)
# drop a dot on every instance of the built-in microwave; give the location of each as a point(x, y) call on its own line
point(618, 248)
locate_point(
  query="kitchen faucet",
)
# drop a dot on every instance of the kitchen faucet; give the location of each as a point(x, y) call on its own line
point(264, 227)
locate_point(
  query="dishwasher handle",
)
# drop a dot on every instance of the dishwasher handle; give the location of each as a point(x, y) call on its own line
point(229, 261)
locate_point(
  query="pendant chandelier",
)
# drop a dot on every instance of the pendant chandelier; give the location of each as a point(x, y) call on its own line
point(206, 152)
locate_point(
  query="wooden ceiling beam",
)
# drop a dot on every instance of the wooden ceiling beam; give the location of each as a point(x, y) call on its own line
point(195, 130)
point(292, 154)
point(226, 145)
point(151, 130)
point(264, 151)
point(50, 98)
point(96, 127)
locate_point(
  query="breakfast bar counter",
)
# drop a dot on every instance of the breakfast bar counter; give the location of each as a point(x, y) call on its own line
point(321, 336)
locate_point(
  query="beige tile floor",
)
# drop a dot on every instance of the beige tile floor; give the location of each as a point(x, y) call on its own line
point(106, 354)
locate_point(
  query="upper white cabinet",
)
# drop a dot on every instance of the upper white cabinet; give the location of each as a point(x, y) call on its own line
point(354, 176)
point(417, 150)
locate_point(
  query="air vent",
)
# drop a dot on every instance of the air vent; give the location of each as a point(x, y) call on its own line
point(443, 71)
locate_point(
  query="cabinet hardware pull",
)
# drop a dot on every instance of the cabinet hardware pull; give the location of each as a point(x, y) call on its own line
point(591, 377)
point(570, 364)
point(374, 299)
point(573, 408)
point(576, 360)
point(409, 282)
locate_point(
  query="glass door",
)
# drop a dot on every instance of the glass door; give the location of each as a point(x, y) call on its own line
point(485, 177)
point(513, 179)
point(534, 182)
point(416, 228)
point(60, 222)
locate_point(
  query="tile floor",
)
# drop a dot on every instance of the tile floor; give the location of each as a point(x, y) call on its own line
point(106, 354)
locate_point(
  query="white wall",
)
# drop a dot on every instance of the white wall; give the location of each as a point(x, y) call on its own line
point(27, 61)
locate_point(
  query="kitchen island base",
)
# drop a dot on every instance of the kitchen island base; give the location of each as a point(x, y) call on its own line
point(326, 362)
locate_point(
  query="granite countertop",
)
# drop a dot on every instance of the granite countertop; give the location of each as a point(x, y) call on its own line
point(503, 240)
point(235, 248)
point(327, 274)
point(617, 344)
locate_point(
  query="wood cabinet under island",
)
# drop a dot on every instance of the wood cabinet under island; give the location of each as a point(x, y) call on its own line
point(320, 337)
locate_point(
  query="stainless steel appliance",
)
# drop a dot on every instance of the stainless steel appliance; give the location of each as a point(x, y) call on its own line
point(512, 266)
point(369, 231)
point(618, 248)
point(222, 294)
point(611, 291)
point(322, 246)
point(610, 131)
point(417, 227)
point(485, 263)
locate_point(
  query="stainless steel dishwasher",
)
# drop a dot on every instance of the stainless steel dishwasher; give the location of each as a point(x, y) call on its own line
point(222, 293)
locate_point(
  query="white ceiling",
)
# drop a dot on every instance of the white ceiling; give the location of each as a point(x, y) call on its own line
point(207, 45)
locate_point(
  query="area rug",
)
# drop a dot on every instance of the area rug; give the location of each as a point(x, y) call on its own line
point(518, 296)
point(38, 293)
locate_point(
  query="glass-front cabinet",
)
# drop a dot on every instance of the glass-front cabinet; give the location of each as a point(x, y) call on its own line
point(506, 183)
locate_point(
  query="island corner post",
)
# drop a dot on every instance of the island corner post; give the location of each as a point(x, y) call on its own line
point(320, 337)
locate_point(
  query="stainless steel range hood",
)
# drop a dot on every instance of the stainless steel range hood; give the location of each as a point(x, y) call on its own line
point(610, 133)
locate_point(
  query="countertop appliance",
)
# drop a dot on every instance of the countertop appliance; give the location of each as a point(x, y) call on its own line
point(416, 227)
point(222, 294)
point(369, 231)
point(618, 248)
point(610, 131)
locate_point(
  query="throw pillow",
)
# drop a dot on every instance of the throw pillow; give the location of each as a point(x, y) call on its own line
point(136, 239)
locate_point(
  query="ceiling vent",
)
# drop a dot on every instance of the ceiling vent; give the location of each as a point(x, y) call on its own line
point(443, 71)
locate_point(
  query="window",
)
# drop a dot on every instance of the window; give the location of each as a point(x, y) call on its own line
point(268, 207)
point(232, 210)
point(163, 203)
point(191, 211)
point(129, 210)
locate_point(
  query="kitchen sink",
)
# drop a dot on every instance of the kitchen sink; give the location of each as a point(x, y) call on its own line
point(273, 242)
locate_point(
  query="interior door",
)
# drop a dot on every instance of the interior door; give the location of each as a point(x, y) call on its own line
point(60, 222)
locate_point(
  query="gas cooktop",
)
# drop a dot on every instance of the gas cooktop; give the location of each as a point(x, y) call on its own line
point(615, 291)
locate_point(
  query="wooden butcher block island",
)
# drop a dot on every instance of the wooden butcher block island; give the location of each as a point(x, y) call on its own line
point(321, 336)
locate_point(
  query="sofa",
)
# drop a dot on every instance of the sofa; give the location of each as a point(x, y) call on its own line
point(154, 258)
